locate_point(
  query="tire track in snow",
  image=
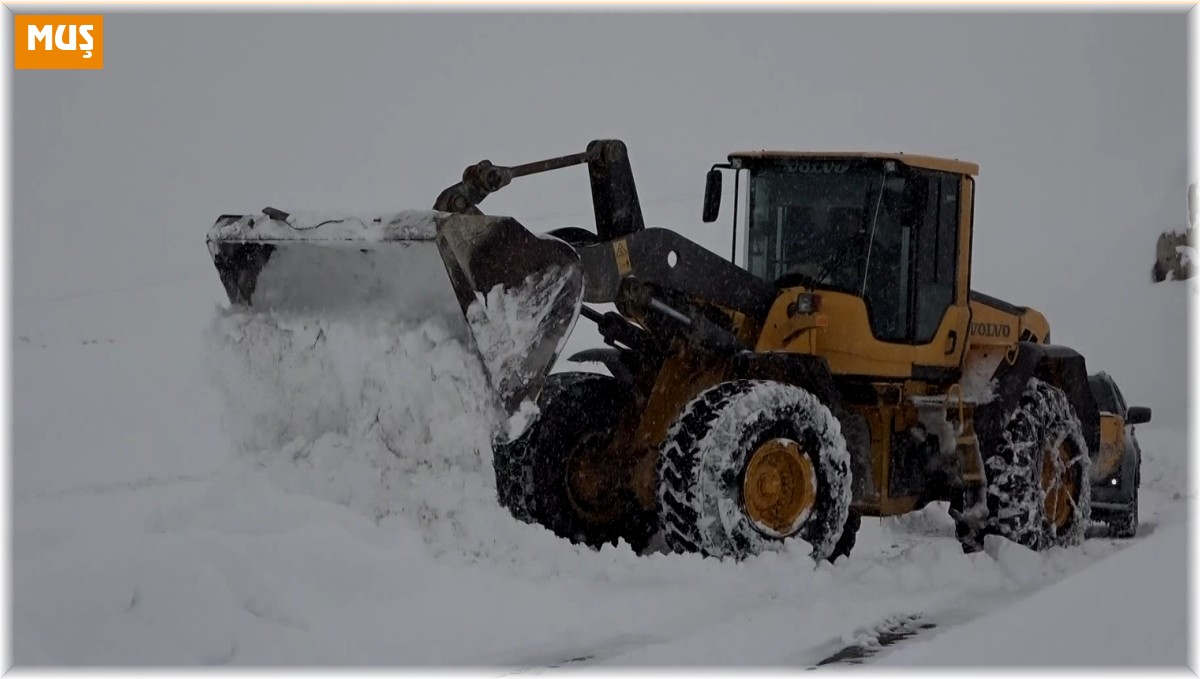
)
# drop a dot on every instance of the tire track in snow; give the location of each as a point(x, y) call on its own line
point(864, 642)
point(872, 641)
point(590, 655)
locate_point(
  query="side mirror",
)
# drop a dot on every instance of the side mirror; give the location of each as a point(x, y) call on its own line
point(712, 195)
point(1137, 415)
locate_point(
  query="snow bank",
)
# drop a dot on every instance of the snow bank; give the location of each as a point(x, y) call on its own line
point(388, 421)
point(1165, 453)
point(394, 422)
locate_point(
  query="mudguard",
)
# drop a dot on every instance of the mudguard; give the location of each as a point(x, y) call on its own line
point(1060, 366)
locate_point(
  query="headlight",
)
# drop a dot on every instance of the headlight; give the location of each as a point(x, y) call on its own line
point(806, 303)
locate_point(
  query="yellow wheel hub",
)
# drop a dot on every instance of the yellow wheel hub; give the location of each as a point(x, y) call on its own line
point(780, 487)
point(1059, 485)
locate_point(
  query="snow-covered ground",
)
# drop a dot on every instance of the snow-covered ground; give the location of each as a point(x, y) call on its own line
point(173, 502)
point(357, 525)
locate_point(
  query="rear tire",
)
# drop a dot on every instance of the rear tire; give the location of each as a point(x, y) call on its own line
point(1038, 486)
point(578, 413)
point(766, 430)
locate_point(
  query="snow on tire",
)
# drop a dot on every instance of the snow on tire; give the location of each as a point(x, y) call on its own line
point(1020, 507)
point(578, 411)
point(703, 465)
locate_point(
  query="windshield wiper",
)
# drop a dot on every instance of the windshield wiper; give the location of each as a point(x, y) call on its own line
point(832, 263)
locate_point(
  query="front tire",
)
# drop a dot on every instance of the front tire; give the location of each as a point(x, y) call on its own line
point(750, 465)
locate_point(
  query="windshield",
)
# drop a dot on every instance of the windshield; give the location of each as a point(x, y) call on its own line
point(814, 221)
point(886, 234)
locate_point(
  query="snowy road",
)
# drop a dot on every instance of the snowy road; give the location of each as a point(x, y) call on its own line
point(234, 571)
point(376, 540)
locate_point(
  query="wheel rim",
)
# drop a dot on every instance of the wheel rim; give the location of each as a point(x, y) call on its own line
point(587, 486)
point(1059, 485)
point(779, 488)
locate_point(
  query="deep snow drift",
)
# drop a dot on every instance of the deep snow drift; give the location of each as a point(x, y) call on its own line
point(345, 513)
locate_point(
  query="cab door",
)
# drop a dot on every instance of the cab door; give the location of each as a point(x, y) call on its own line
point(939, 311)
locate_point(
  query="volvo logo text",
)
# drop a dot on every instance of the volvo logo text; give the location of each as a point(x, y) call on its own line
point(991, 330)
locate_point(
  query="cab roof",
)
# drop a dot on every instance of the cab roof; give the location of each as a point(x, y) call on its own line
point(928, 162)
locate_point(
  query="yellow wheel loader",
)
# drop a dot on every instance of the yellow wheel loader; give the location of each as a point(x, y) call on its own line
point(845, 369)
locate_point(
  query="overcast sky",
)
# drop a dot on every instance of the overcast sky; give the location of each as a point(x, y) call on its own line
point(1077, 121)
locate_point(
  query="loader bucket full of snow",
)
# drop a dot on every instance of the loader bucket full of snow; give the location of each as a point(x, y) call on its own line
point(375, 270)
point(520, 294)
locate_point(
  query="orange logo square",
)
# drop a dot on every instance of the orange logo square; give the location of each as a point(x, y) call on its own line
point(58, 41)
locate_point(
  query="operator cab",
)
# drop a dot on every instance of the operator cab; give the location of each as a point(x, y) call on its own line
point(883, 227)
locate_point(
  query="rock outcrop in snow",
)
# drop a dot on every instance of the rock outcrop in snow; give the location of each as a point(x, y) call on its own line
point(1175, 252)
